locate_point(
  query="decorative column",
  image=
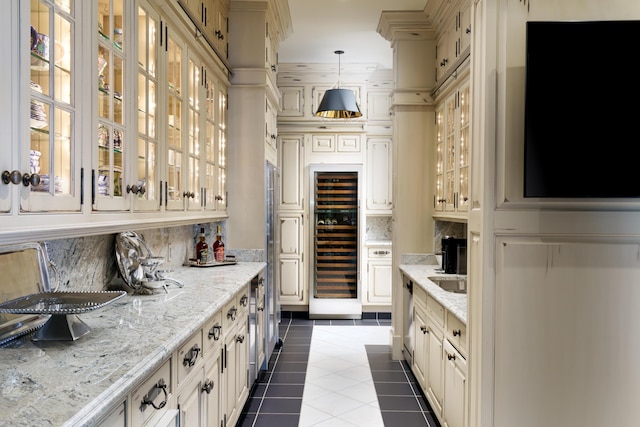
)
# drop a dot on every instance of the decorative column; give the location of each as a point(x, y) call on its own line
point(412, 38)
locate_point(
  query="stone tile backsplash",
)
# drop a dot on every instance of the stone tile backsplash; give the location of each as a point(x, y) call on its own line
point(378, 228)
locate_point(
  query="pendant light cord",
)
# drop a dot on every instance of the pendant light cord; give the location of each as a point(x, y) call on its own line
point(339, 52)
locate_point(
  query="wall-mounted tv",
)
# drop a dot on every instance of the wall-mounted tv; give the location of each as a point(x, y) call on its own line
point(582, 110)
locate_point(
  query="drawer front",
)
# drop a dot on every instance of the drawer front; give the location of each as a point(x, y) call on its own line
point(230, 315)
point(189, 356)
point(436, 311)
point(212, 334)
point(242, 300)
point(419, 296)
point(457, 333)
point(150, 398)
point(379, 253)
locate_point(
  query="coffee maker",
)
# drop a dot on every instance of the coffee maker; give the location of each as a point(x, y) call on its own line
point(454, 255)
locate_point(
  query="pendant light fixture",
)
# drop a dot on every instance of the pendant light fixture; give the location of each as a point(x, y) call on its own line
point(339, 103)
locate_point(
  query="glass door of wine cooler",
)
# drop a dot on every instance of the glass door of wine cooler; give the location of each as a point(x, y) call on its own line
point(336, 221)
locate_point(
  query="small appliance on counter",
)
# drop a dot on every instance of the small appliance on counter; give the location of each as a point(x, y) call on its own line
point(454, 255)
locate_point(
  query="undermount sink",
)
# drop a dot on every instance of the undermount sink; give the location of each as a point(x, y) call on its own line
point(451, 284)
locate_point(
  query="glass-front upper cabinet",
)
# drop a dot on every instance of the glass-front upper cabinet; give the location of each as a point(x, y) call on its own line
point(215, 143)
point(148, 187)
point(210, 138)
point(112, 96)
point(221, 158)
point(174, 97)
point(194, 191)
point(52, 177)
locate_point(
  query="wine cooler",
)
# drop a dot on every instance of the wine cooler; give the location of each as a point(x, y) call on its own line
point(335, 197)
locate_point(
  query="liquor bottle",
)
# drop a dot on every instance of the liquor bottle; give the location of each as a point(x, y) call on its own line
point(218, 247)
point(202, 248)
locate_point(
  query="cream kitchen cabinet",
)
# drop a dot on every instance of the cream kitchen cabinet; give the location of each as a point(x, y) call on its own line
point(379, 177)
point(291, 259)
point(292, 101)
point(455, 386)
point(205, 381)
point(451, 194)
point(155, 396)
point(439, 358)
point(291, 161)
point(235, 368)
point(336, 143)
point(420, 338)
point(106, 143)
point(211, 19)
point(454, 39)
point(379, 275)
point(435, 361)
point(378, 106)
point(41, 166)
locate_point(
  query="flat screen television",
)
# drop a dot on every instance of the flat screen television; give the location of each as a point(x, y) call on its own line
point(582, 110)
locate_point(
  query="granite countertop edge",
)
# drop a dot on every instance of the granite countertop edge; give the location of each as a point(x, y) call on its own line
point(453, 302)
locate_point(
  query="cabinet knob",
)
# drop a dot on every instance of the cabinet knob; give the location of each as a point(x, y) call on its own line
point(15, 177)
point(218, 197)
point(424, 329)
point(243, 300)
point(189, 194)
point(207, 386)
point(451, 356)
point(30, 179)
point(232, 313)
point(457, 332)
point(214, 332)
point(240, 339)
point(133, 189)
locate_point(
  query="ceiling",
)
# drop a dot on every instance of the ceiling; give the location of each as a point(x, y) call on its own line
point(319, 28)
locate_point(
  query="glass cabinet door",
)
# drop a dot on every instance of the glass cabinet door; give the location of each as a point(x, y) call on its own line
point(194, 187)
point(54, 164)
point(439, 181)
point(221, 157)
point(463, 149)
point(450, 154)
point(111, 137)
point(148, 187)
point(174, 95)
point(210, 143)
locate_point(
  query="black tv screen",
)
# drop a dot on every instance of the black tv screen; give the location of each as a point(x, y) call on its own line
point(582, 110)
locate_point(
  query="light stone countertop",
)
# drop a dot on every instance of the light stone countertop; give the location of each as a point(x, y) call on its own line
point(75, 383)
point(378, 242)
point(420, 273)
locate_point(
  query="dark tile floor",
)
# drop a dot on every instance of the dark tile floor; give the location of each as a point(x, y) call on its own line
point(276, 397)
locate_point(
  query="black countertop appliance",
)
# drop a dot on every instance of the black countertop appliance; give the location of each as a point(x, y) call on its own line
point(454, 255)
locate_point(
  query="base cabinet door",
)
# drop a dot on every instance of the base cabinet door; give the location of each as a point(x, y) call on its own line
point(190, 402)
point(434, 368)
point(211, 391)
point(455, 378)
point(420, 343)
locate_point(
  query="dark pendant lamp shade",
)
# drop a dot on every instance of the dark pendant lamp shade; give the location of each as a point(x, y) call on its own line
point(339, 103)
